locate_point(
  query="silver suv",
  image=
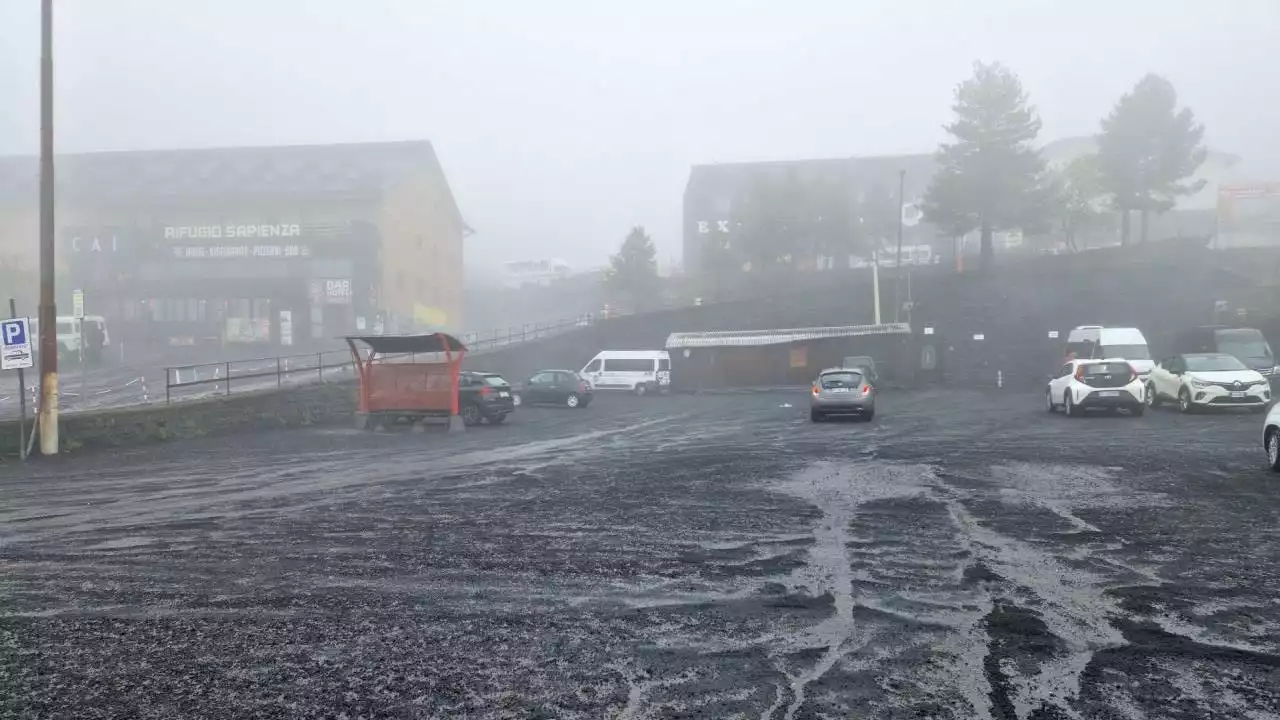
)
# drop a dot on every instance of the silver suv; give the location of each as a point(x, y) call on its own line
point(842, 391)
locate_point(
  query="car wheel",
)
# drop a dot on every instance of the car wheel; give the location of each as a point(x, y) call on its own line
point(1273, 449)
point(1138, 411)
point(1069, 405)
point(1184, 401)
point(815, 416)
point(1152, 398)
point(471, 414)
point(1048, 401)
point(498, 419)
point(642, 390)
point(572, 400)
point(869, 415)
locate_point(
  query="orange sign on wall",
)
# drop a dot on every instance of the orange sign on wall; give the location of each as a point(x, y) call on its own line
point(799, 357)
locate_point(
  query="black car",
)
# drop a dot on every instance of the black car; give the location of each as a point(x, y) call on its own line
point(484, 396)
point(1246, 344)
point(556, 387)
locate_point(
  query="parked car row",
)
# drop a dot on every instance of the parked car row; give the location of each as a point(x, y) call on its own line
point(489, 397)
point(1212, 366)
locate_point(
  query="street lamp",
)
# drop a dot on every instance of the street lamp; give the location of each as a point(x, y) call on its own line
point(897, 271)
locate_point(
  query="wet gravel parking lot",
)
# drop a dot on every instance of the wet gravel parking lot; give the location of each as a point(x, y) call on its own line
point(965, 555)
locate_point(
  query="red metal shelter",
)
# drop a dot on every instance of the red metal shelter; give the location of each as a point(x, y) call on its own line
point(407, 377)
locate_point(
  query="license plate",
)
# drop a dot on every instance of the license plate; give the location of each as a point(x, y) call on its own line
point(1237, 393)
point(1109, 393)
point(503, 394)
point(838, 390)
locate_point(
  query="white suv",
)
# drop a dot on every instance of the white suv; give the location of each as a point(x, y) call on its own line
point(1271, 437)
point(1110, 384)
point(1202, 380)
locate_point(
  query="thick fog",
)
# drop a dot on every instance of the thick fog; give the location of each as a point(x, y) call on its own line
point(562, 124)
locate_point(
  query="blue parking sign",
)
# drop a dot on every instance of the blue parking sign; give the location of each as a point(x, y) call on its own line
point(15, 344)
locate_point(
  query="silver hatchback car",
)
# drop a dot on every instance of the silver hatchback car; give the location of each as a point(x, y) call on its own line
point(842, 391)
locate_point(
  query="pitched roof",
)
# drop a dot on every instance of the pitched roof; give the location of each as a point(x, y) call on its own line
point(721, 178)
point(342, 169)
point(755, 338)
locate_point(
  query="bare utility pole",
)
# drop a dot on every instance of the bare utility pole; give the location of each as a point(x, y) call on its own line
point(897, 271)
point(48, 420)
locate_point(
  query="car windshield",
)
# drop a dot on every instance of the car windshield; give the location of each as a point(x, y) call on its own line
point(841, 380)
point(1213, 363)
point(1128, 352)
point(1112, 368)
point(496, 380)
point(1244, 343)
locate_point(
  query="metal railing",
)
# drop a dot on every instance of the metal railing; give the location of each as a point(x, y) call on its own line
point(502, 337)
point(221, 378)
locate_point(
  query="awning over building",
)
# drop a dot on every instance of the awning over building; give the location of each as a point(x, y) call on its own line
point(756, 338)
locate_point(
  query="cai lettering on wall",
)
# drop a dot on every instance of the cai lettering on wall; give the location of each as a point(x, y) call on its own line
point(95, 244)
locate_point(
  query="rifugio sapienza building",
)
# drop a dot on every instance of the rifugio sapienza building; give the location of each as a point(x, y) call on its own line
point(274, 246)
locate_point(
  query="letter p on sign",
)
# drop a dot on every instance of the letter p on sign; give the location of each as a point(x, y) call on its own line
point(15, 332)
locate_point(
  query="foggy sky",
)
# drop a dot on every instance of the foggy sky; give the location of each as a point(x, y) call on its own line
point(561, 124)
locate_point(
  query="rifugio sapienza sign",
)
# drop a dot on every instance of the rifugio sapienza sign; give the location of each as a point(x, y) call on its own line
point(244, 232)
point(220, 250)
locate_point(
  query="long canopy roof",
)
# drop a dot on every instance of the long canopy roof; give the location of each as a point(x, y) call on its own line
point(395, 344)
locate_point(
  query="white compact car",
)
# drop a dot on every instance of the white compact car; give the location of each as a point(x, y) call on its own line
point(1271, 437)
point(1110, 384)
point(1204, 380)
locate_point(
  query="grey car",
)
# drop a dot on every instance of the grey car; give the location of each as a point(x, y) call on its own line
point(866, 364)
point(842, 391)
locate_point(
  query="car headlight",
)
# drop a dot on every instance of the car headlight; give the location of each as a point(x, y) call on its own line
point(1198, 383)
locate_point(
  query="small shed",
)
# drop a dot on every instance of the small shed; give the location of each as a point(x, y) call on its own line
point(407, 377)
point(784, 357)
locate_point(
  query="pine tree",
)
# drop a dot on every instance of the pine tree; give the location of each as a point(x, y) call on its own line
point(633, 271)
point(991, 178)
point(1147, 150)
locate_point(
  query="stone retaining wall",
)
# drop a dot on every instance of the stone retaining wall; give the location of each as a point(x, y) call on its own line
point(270, 409)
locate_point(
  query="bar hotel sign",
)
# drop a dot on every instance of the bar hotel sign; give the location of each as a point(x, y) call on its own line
point(237, 232)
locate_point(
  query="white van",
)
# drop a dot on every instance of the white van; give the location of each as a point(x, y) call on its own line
point(69, 331)
point(637, 371)
point(1100, 343)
